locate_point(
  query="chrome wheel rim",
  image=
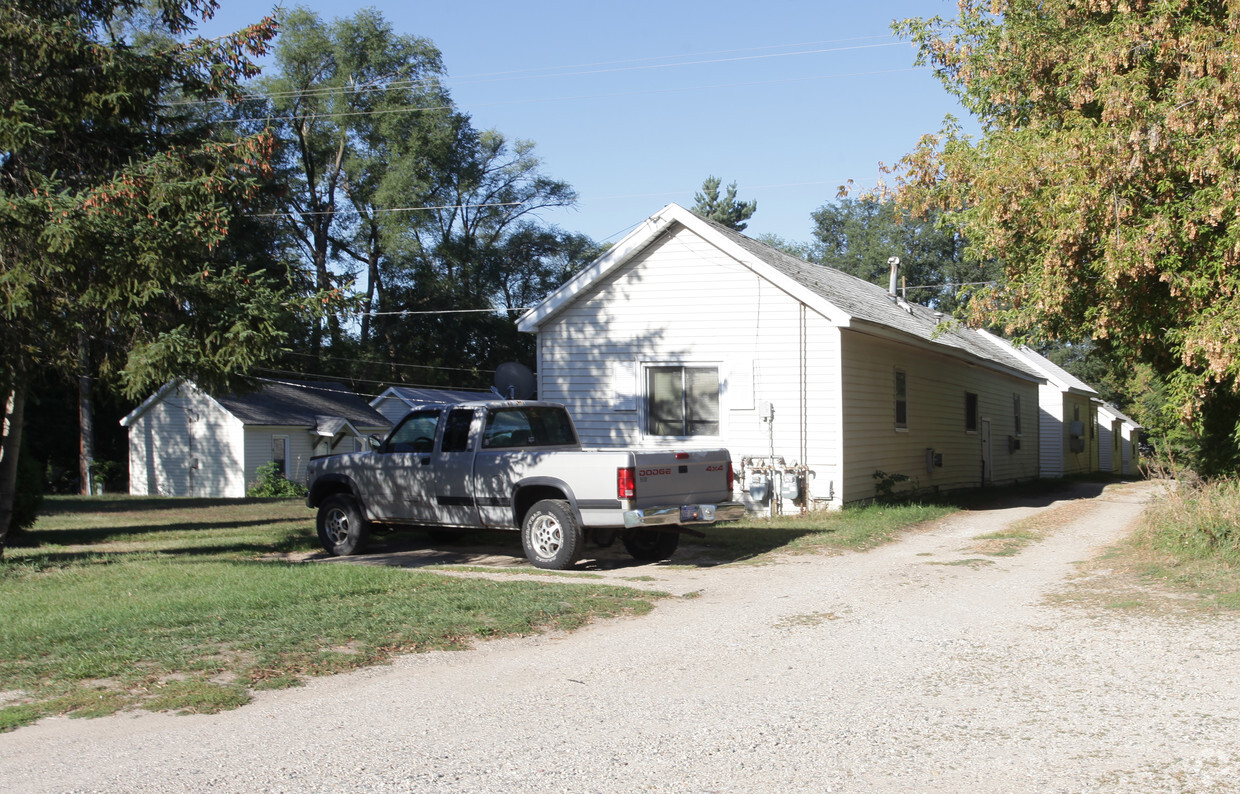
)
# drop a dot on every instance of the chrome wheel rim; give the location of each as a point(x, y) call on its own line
point(546, 536)
point(337, 526)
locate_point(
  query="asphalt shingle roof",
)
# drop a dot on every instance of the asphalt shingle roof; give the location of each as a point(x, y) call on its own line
point(302, 403)
point(872, 303)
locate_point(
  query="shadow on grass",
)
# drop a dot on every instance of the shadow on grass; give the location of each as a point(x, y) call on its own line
point(117, 503)
point(33, 538)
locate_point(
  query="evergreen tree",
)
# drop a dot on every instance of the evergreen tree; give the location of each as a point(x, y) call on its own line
point(725, 209)
point(115, 198)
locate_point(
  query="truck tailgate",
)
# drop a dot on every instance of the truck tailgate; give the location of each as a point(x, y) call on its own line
point(680, 477)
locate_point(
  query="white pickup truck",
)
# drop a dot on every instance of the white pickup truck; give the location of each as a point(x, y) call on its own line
point(518, 465)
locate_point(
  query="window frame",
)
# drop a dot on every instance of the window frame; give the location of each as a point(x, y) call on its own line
point(899, 388)
point(686, 418)
point(1016, 417)
point(281, 437)
point(972, 412)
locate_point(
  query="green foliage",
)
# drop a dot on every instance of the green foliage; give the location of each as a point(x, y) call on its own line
point(272, 483)
point(1199, 520)
point(366, 126)
point(1104, 180)
point(859, 235)
point(116, 195)
point(727, 210)
point(885, 486)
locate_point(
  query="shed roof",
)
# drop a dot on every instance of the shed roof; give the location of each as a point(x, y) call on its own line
point(281, 403)
point(301, 403)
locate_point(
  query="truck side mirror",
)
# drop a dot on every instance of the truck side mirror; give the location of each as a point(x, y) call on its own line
point(375, 442)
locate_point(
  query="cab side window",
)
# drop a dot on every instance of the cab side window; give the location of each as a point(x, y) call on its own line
point(415, 434)
point(456, 430)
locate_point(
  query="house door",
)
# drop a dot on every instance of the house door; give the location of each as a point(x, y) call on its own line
point(988, 473)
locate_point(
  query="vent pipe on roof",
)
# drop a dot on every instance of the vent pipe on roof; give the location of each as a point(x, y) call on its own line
point(895, 273)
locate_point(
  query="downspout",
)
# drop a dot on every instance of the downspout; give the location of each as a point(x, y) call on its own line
point(804, 386)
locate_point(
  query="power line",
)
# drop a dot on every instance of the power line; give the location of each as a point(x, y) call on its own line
point(338, 378)
point(570, 98)
point(584, 69)
point(386, 364)
point(384, 210)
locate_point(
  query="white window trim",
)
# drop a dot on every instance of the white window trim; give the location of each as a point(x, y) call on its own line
point(275, 437)
point(643, 399)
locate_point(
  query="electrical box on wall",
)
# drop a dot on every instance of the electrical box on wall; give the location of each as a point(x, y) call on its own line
point(766, 410)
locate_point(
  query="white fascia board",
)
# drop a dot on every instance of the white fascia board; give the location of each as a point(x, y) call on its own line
point(894, 335)
point(1035, 361)
point(146, 404)
point(388, 392)
point(630, 246)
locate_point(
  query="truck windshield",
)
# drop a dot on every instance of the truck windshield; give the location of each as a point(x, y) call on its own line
point(527, 427)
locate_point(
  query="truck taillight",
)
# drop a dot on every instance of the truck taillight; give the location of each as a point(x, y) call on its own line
point(625, 483)
point(731, 477)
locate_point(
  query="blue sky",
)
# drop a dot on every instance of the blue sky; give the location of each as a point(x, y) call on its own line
point(635, 103)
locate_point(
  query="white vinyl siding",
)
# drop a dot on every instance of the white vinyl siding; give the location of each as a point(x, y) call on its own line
point(936, 386)
point(186, 445)
point(683, 302)
point(1052, 430)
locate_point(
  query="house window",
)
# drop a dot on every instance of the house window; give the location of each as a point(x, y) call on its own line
point(901, 399)
point(682, 401)
point(1016, 413)
point(279, 454)
point(970, 412)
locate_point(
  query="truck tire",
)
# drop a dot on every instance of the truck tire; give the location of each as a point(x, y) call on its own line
point(343, 530)
point(651, 544)
point(551, 535)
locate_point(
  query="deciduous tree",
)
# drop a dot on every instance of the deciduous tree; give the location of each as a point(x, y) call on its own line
point(1105, 178)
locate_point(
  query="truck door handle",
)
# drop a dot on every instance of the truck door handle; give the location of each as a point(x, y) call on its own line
point(424, 461)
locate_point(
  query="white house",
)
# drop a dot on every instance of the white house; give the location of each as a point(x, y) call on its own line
point(1117, 439)
point(1067, 415)
point(689, 334)
point(396, 401)
point(184, 442)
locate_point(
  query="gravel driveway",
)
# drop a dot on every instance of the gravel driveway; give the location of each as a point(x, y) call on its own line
point(918, 666)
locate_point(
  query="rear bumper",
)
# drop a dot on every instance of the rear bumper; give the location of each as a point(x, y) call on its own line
point(683, 515)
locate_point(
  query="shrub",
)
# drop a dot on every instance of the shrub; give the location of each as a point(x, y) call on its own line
point(1200, 520)
point(271, 482)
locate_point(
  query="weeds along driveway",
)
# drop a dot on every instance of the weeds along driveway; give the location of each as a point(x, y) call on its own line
point(923, 665)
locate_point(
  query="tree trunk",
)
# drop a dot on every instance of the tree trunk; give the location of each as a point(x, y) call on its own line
point(10, 443)
point(86, 418)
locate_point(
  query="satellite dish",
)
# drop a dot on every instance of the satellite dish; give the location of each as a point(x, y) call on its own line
point(515, 381)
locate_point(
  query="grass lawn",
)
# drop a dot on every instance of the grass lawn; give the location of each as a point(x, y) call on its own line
point(168, 604)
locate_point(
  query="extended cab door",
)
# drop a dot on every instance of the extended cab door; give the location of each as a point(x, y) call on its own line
point(452, 470)
point(396, 486)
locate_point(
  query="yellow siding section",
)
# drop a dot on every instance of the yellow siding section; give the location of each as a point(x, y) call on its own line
point(936, 388)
